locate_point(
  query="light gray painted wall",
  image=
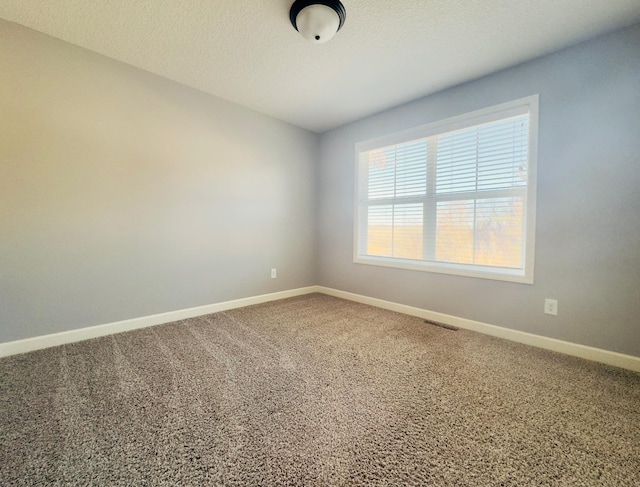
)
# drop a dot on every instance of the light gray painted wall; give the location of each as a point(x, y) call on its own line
point(588, 224)
point(123, 194)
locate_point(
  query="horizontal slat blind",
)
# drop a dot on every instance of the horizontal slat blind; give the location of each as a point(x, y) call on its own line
point(457, 197)
point(488, 156)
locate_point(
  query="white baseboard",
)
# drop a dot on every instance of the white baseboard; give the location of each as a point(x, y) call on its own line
point(590, 353)
point(71, 336)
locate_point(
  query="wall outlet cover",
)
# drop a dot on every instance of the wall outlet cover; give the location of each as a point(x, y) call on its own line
point(551, 306)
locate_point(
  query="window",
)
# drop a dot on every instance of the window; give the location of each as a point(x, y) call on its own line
point(455, 197)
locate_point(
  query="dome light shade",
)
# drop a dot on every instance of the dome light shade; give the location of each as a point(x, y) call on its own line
point(317, 20)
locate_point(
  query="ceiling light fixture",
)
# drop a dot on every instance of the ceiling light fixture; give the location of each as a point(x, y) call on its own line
point(317, 20)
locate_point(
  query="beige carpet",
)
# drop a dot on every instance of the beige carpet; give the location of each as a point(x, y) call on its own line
point(314, 391)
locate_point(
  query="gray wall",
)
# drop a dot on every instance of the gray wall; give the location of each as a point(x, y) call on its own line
point(588, 212)
point(123, 194)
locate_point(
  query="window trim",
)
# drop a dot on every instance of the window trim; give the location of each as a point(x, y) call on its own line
point(520, 106)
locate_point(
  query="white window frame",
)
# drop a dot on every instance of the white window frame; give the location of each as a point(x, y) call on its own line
point(505, 110)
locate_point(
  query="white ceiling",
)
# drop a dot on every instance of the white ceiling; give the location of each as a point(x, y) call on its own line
point(387, 53)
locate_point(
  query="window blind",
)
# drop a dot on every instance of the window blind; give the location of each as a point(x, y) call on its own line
point(456, 199)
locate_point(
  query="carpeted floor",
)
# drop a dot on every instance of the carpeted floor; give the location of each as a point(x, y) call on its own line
point(314, 391)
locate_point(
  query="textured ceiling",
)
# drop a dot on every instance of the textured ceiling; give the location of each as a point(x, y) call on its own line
point(387, 53)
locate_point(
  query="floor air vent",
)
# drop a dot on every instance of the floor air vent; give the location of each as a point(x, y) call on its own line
point(442, 325)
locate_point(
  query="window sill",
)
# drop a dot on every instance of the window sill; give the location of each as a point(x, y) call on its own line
point(481, 272)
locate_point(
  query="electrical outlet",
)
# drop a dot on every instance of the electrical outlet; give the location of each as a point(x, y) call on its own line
point(274, 273)
point(551, 306)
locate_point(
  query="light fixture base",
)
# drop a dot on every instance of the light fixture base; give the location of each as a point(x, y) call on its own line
point(314, 18)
